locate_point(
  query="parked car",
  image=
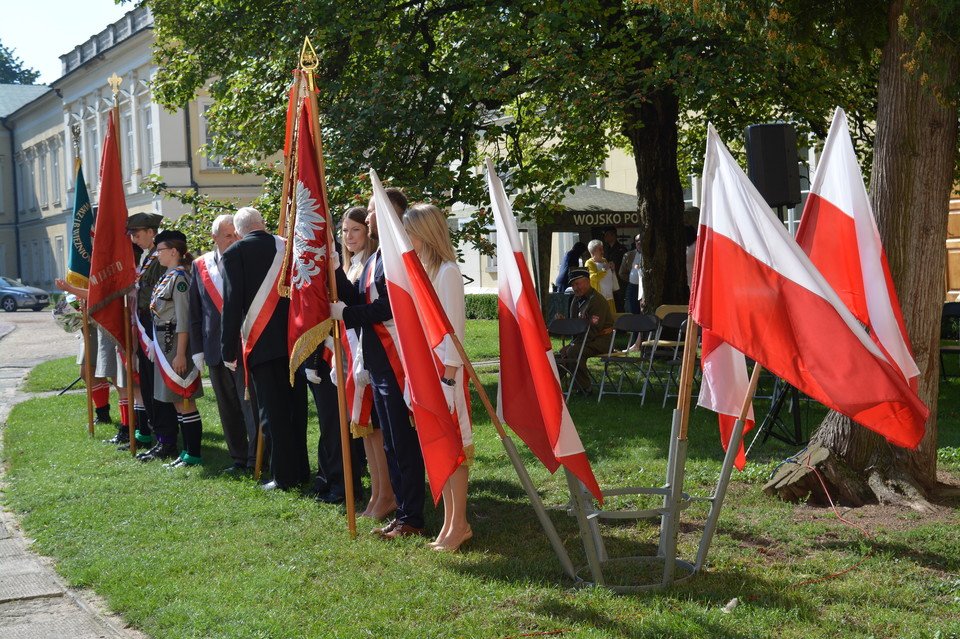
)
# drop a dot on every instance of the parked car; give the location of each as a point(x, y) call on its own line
point(15, 295)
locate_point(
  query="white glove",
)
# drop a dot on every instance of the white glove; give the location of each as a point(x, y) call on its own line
point(335, 259)
point(231, 365)
point(333, 375)
point(449, 394)
point(361, 377)
point(312, 375)
point(336, 310)
point(198, 360)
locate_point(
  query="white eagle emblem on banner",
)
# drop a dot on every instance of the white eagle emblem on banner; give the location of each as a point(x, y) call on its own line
point(309, 250)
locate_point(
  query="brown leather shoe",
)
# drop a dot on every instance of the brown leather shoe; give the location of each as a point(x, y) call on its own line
point(403, 530)
point(385, 529)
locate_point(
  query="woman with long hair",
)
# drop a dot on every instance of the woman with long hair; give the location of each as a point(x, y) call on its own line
point(358, 246)
point(177, 380)
point(427, 227)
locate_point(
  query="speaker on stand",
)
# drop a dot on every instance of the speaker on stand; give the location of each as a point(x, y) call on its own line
point(773, 166)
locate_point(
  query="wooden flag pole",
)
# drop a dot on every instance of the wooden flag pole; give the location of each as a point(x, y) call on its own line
point(308, 63)
point(115, 82)
point(686, 374)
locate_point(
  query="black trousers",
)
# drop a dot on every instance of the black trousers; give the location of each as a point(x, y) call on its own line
point(404, 457)
point(236, 413)
point(283, 416)
point(329, 452)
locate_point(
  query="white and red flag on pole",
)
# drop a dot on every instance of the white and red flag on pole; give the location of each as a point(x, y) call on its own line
point(421, 325)
point(111, 264)
point(839, 233)
point(756, 290)
point(529, 396)
point(309, 322)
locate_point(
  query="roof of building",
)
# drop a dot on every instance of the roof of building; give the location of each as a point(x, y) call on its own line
point(14, 96)
point(588, 198)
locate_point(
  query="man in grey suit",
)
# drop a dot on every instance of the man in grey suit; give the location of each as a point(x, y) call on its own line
point(206, 309)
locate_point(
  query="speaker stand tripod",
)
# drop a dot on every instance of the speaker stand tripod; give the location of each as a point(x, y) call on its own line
point(774, 425)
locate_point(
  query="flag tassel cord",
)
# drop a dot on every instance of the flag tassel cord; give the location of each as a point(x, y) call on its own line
point(308, 66)
point(518, 466)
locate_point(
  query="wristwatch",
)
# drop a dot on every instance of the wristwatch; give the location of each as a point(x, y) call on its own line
point(448, 382)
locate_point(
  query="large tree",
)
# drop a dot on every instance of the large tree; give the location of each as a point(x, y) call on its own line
point(423, 89)
point(913, 170)
point(12, 70)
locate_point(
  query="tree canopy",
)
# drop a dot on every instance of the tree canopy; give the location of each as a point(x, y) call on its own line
point(12, 70)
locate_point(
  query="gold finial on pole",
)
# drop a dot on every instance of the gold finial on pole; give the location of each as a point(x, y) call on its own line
point(308, 61)
point(115, 81)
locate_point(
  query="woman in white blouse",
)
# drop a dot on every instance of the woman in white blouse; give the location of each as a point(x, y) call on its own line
point(358, 246)
point(430, 236)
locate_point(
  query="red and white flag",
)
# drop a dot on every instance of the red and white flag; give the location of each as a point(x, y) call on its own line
point(530, 398)
point(112, 272)
point(309, 322)
point(754, 287)
point(723, 387)
point(839, 233)
point(421, 325)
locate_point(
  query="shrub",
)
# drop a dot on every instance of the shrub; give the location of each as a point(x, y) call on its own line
point(481, 306)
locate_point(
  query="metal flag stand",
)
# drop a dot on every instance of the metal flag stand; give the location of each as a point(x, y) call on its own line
point(675, 500)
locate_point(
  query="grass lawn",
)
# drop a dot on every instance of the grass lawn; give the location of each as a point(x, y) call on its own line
point(195, 554)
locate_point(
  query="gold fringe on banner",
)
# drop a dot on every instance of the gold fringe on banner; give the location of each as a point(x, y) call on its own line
point(308, 343)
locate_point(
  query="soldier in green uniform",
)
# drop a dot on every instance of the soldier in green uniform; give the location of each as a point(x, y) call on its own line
point(587, 304)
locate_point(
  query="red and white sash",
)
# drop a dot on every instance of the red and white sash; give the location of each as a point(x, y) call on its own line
point(209, 272)
point(183, 386)
point(387, 332)
point(359, 399)
point(263, 304)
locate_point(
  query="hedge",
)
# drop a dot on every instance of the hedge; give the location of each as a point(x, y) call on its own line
point(481, 306)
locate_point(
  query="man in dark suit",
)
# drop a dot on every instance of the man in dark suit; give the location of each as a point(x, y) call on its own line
point(263, 321)
point(206, 301)
point(369, 310)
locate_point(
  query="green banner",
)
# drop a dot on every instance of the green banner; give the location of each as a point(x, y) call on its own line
point(81, 237)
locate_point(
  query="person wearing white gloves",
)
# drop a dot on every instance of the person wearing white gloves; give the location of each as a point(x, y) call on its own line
point(430, 237)
point(206, 308)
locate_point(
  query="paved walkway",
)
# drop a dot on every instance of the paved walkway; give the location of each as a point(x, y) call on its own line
point(34, 602)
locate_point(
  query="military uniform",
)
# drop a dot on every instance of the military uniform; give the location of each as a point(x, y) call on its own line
point(592, 307)
point(170, 310)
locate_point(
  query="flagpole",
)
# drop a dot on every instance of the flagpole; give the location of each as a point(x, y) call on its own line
point(85, 327)
point(114, 81)
point(720, 493)
point(308, 62)
point(522, 474)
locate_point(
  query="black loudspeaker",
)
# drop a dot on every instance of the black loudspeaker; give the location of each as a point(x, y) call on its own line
point(773, 164)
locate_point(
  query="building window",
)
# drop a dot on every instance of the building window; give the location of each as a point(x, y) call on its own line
point(147, 119)
point(21, 193)
point(32, 186)
point(43, 179)
point(59, 256)
point(210, 162)
point(92, 144)
point(47, 262)
point(55, 173)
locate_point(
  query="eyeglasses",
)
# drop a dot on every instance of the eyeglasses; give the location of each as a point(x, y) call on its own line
point(165, 248)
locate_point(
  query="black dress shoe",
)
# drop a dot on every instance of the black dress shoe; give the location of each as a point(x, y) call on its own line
point(332, 497)
point(317, 488)
point(122, 437)
point(235, 469)
point(162, 450)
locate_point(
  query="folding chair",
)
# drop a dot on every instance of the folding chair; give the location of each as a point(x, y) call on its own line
point(664, 348)
point(676, 364)
point(951, 310)
point(564, 328)
point(624, 373)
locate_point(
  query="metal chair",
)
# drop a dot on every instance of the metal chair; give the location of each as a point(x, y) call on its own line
point(951, 310)
point(675, 365)
point(569, 328)
point(665, 349)
point(626, 372)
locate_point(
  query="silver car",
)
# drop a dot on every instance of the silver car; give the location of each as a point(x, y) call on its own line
point(14, 295)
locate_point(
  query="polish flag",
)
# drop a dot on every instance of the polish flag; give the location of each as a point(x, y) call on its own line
point(839, 233)
point(421, 325)
point(756, 289)
point(112, 271)
point(530, 398)
point(723, 387)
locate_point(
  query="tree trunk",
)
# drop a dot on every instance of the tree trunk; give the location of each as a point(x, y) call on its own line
point(915, 149)
point(652, 131)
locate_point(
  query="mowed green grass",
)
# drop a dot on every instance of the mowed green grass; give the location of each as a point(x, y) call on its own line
point(197, 554)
